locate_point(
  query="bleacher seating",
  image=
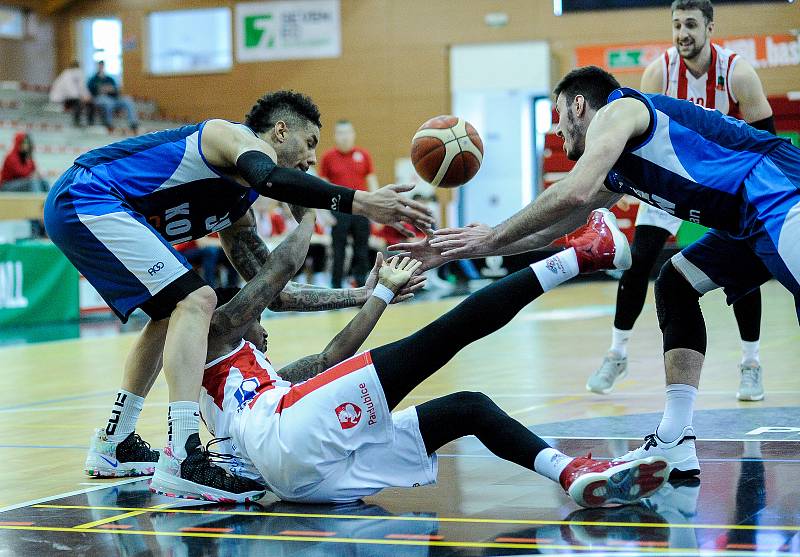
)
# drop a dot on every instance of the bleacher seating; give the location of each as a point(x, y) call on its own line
point(57, 142)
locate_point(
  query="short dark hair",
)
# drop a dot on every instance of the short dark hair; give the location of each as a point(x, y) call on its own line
point(594, 83)
point(225, 295)
point(290, 106)
point(705, 6)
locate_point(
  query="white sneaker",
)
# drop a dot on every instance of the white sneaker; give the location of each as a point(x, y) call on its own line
point(680, 454)
point(602, 380)
point(751, 387)
point(111, 459)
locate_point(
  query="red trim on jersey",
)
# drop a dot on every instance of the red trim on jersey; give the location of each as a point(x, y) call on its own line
point(336, 372)
point(683, 83)
point(666, 73)
point(244, 359)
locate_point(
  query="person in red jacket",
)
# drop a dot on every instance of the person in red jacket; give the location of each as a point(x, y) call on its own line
point(19, 171)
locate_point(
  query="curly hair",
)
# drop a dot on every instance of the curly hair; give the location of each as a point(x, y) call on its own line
point(290, 106)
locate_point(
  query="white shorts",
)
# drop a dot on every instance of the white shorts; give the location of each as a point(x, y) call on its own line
point(651, 216)
point(333, 439)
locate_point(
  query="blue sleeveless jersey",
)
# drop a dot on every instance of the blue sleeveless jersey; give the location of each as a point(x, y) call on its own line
point(692, 162)
point(164, 177)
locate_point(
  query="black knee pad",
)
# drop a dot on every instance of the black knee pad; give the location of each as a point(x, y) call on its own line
point(679, 315)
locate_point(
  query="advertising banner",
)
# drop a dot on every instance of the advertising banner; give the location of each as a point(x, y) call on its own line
point(288, 30)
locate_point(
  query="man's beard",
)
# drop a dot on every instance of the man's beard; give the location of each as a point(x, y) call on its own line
point(695, 51)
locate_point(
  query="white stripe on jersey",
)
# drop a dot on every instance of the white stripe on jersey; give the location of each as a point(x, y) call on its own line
point(696, 86)
point(192, 166)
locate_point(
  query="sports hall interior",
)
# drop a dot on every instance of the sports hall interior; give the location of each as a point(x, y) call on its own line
point(398, 64)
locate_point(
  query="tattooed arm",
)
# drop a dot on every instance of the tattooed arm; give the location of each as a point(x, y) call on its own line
point(394, 275)
point(229, 320)
point(248, 253)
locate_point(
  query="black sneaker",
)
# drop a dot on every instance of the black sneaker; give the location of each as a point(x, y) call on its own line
point(130, 457)
point(197, 477)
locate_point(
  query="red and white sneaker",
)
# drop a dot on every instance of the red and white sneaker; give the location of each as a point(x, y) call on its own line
point(600, 244)
point(595, 483)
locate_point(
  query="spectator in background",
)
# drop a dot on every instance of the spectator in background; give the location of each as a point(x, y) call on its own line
point(19, 171)
point(349, 166)
point(108, 99)
point(70, 89)
point(206, 253)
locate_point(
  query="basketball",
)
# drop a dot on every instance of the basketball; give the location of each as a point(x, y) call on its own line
point(446, 151)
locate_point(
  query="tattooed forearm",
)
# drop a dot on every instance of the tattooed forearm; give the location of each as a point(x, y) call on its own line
point(305, 297)
point(244, 247)
point(304, 368)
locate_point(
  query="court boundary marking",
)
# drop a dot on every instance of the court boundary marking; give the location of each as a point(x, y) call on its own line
point(518, 521)
point(46, 499)
point(428, 543)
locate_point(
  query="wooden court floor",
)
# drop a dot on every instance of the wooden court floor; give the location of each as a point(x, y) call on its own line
point(747, 502)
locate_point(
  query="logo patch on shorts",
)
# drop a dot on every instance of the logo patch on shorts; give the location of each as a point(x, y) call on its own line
point(155, 268)
point(349, 415)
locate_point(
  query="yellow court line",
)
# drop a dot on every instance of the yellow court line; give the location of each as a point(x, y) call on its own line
point(439, 519)
point(115, 518)
point(383, 541)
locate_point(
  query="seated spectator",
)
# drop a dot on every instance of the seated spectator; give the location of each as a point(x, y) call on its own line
point(107, 97)
point(19, 171)
point(70, 89)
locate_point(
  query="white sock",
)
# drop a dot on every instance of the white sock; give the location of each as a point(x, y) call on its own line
point(184, 420)
point(550, 463)
point(750, 351)
point(677, 412)
point(124, 415)
point(619, 341)
point(556, 269)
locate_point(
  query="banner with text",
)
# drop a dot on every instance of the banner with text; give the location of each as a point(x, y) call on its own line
point(765, 51)
point(37, 285)
point(288, 30)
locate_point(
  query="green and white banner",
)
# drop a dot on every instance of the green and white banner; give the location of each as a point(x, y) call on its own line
point(288, 30)
point(37, 285)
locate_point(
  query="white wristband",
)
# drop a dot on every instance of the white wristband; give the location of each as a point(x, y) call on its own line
point(383, 293)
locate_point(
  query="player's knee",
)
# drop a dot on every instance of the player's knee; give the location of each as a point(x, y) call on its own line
point(202, 300)
point(474, 402)
point(678, 309)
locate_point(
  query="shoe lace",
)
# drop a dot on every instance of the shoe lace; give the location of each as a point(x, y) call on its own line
point(215, 456)
point(608, 370)
point(140, 443)
point(750, 375)
point(650, 441)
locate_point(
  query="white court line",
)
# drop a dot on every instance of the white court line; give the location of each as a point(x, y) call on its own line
point(69, 494)
point(598, 397)
point(588, 438)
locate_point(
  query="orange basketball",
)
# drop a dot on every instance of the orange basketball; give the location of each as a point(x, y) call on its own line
point(446, 151)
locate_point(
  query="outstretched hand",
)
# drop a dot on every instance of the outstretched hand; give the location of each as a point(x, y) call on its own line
point(473, 240)
point(395, 273)
point(422, 251)
point(405, 292)
point(387, 206)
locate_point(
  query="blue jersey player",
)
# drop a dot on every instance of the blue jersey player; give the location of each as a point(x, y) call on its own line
point(116, 213)
point(694, 163)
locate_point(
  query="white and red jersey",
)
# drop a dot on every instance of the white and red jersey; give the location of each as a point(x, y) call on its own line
point(231, 385)
point(711, 90)
point(331, 438)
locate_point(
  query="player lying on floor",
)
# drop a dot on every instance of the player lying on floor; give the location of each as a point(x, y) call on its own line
point(310, 435)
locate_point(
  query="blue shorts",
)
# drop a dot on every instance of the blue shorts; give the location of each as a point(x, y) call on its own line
point(769, 245)
point(115, 248)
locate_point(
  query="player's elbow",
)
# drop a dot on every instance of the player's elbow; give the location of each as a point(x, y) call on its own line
point(580, 197)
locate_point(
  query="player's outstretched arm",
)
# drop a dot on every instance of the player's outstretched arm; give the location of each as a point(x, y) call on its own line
point(279, 267)
point(393, 276)
point(609, 132)
point(228, 146)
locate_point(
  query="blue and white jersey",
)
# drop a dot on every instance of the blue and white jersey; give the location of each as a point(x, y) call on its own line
point(693, 163)
point(164, 177)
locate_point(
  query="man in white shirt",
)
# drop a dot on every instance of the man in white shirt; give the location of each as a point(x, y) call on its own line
point(70, 89)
